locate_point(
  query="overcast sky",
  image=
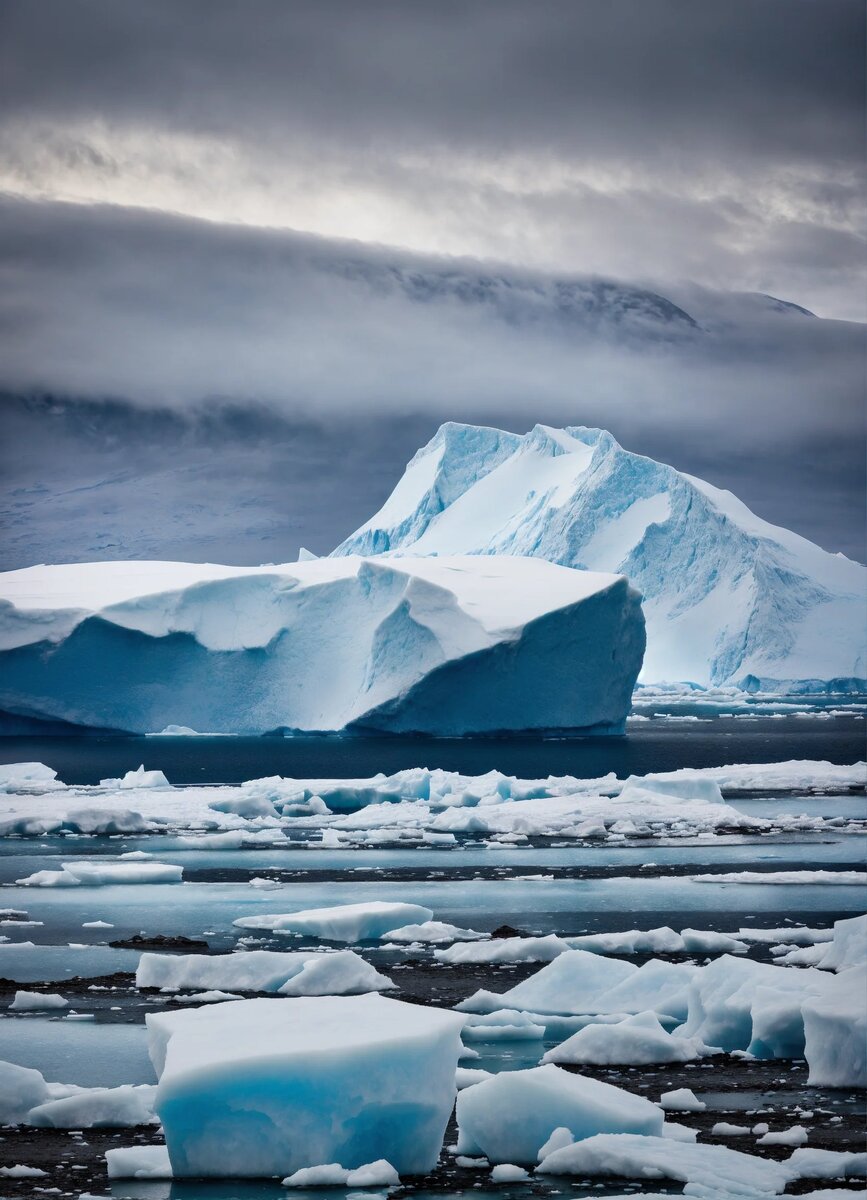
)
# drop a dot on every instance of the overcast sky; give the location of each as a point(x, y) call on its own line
point(158, 162)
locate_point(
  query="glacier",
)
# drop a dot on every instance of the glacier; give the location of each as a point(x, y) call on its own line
point(445, 646)
point(728, 598)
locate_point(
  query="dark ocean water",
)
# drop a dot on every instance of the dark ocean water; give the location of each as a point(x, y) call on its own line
point(653, 746)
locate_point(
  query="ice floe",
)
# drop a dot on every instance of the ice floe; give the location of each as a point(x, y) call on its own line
point(287, 973)
point(303, 1082)
point(508, 1118)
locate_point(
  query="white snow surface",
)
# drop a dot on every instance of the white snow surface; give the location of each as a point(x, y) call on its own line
point(728, 597)
point(301, 1082)
point(448, 645)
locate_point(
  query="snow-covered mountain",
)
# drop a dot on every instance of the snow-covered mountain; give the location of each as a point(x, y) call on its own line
point(445, 646)
point(728, 598)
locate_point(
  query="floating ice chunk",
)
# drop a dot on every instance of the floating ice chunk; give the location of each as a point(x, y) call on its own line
point(344, 922)
point(468, 1076)
point(374, 1174)
point(724, 1171)
point(795, 1136)
point(37, 1002)
point(572, 983)
point(20, 1171)
point(236, 839)
point(14, 776)
point(138, 1162)
point(101, 874)
point(825, 1164)
point(97, 925)
point(707, 941)
point(503, 1026)
point(247, 805)
point(636, 1041)
point(798, 935)
point(97, 1108)
point(732, 1001)
point(213, 996)
point(508, 1173)
point(510, 1116)
point(21, 1089)
point(835, 1031)
point(138, 779)
point(295, 1083)
point(632, 941)
point(435, 931)
point(726, 1129)
point(694, 786)
point(105, 821)
point(309, 973)
point(681, 1100)
point(514, 949)
point(801, 878)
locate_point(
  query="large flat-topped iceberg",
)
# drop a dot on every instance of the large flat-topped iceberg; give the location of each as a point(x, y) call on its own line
point(728, 597)
point(444, 646)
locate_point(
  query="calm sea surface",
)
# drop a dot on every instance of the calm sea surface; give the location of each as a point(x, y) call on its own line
point(660, 745)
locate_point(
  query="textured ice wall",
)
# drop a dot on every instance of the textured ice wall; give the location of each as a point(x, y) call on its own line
point(444, 646)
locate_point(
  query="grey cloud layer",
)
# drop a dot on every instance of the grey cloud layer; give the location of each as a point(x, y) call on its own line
point(779, 77)
point(167, 311)
point(631, 137)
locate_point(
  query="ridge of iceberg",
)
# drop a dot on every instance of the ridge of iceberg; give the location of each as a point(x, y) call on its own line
point(728, 597)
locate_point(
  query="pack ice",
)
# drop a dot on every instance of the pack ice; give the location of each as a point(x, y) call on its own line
point(728, 598)
point(267, 1087)
point(447, 646)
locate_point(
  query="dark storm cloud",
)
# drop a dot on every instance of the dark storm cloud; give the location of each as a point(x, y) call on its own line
point(779, 78)
point(627, 137)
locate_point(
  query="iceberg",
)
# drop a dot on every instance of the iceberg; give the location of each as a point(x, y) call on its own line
point(635, 1041)
point(711, 1170)
point(343, 922)
point(447, 646)
point(509, 1117)
point(728, 598)
point(103, 874)
point(256, 1088)
point(289, 974)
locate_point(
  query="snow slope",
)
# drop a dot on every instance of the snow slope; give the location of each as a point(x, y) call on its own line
point(447, 645)
point(728, 598)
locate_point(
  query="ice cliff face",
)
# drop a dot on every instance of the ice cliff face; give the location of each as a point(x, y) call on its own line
point(728, 598)
point(444, 646)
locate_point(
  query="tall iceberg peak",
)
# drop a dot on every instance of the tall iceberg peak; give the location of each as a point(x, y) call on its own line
point(728, 598)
